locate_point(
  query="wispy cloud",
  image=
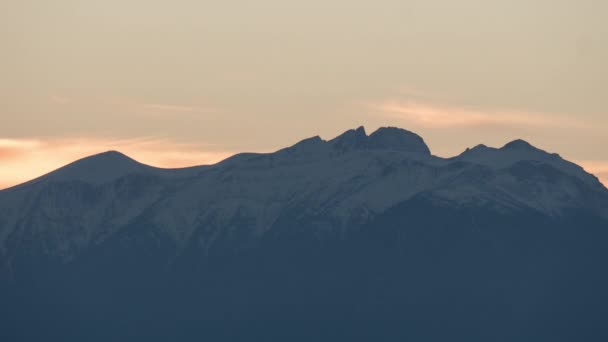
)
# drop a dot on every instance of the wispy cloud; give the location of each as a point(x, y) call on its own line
point(25, 159)
point(432, 115)
point(133, 106)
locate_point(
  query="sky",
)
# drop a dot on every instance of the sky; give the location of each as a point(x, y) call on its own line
point(180, 83)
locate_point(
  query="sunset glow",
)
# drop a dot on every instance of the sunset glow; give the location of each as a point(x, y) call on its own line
point(451, 116)
point(596, 167)
point(113, 73)
point(22, 160)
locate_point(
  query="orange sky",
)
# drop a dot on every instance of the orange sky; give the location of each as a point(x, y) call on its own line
point(23, 160)
point(180, 84)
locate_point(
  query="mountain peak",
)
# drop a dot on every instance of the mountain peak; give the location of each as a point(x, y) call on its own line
point(110, 156)
point(398, 139)
point(309, 147)
point(98, 168)
point(519, 144)
point(388, 138)
point(351, 139)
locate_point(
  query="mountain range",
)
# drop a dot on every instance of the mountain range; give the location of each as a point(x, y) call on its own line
point(361, 237)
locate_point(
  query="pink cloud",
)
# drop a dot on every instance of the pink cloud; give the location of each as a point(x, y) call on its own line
point(8, 153)
point(134, 106)
point(430, 115)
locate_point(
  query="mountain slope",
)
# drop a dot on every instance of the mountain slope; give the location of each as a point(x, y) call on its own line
point(362, 228)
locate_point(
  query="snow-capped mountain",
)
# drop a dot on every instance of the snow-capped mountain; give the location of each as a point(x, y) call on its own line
point(355, 192)
point(343, 182)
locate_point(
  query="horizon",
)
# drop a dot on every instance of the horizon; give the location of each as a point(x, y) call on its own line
point(423, 170)
point(220, 158)
point(192, 84)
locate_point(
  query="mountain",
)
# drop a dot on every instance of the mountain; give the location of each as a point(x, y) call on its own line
point(358, 237)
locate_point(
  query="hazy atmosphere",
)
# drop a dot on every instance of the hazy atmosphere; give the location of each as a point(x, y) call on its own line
point(272, 170)
point(178, 83)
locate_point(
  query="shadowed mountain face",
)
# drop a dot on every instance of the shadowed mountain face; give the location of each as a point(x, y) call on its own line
point(356, 238)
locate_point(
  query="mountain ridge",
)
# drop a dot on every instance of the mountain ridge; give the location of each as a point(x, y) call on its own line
point(384, 138)
point(347, 180)
point(370, 237)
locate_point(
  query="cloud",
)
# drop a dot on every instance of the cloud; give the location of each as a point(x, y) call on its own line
point(25, 159)
point(8, 153)
point(13, 149)
point(133, 106)
point(435, 116)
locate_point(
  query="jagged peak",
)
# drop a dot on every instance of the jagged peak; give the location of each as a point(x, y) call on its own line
point(358, 132)
point(476, 149)
point(308, 145)
point(308, 141)
point(351, 139)
point(389, 138)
